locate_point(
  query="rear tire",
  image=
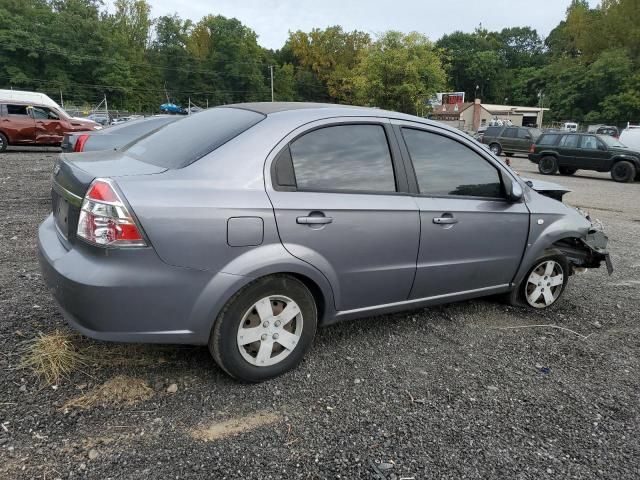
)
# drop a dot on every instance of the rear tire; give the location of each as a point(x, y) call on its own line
point(4, 142)
point(253, 338)
point(495, 148)
point(548, 165)
point(567, 170)
point(623, 171)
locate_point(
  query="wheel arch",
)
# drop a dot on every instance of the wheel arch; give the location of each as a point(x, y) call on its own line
point(633, 160)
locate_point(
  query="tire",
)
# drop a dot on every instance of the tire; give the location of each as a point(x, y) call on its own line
point(623, 171)
point(495, 148)
point(240, 316)
point(567, 170)
point(4, 143)
point(537, 293)
point(548, 165)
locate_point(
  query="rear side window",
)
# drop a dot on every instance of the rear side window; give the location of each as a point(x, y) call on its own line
point(547, 139)
point(445, 167)
point(344, 158)
point(17, 110)
point(569, 141)
point(188, 140)
point(492, 131)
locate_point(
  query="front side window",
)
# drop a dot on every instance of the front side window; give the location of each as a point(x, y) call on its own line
point(524, 133)
point(344, 157)
point(510, 133)
point(43, 113)
point(445, 167)
point(569, 141)
point(18, 110)
point(589, 142)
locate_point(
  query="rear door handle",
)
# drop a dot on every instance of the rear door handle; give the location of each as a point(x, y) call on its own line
point(445, 220)
point(314, 220)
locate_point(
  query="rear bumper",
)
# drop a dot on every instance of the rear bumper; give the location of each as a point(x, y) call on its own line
point(125, 295)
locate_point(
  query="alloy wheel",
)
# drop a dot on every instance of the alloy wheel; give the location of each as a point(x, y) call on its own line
point(269, 330)
point(544, 284)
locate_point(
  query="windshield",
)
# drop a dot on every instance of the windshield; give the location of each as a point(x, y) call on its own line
point(611, 142)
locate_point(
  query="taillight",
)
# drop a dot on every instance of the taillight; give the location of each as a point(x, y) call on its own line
point(532, 148)
point(105, 219)
point(82, 139)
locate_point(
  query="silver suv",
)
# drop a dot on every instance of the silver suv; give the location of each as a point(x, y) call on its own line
point(245, 227)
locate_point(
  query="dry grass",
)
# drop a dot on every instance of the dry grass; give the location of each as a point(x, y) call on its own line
point(234, 426)
point(117, 390)
point(53, 356)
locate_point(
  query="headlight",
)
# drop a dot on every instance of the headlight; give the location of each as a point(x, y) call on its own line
point(97, 127)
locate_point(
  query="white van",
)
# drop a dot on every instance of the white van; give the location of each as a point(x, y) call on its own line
point(630, 137)
point(570, 127)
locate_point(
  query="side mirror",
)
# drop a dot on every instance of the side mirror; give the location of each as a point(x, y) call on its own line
point(602, 147)
point(512, 188)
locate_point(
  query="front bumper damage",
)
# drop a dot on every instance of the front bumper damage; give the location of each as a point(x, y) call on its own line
point(587, 252)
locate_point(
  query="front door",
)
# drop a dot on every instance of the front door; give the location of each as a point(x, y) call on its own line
point(49, 126)
point(17, 124)
point(343, 210)
point(510, 140)
point(593, 154)
point(472, 238)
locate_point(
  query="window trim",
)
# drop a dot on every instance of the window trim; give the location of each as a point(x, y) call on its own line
point(443, 133)
point(397, 165)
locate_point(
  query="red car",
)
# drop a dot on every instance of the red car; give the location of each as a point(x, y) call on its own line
point(23, 123)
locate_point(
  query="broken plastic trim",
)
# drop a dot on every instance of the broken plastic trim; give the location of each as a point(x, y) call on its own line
point(588, 252)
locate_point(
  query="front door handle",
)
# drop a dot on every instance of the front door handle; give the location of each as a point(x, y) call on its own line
point(445, 220)
point(314, 220)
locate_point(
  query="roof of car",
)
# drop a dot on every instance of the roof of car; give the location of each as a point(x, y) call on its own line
point(267, 108)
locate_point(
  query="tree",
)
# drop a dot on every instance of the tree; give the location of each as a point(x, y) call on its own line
point(399, 72)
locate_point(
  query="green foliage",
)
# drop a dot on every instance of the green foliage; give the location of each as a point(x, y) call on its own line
point(587, 69)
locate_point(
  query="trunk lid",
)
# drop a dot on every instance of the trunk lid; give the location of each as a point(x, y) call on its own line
point(72, 175)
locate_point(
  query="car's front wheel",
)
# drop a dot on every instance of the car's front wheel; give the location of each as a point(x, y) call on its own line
point(623, 171)
point(545, 282)
point(548, 165)
point(265, 329)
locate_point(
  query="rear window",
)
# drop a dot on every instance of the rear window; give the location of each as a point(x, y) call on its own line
point(183, 142)
point(548, 139)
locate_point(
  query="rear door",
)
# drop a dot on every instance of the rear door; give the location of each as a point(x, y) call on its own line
point(472, 238)
point(568, 150)
point(49, 127)
point(593, 154)
point(17, 124)
point(509, 139)
point(341, 203)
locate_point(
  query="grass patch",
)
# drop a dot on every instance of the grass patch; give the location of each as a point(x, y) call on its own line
point(53, 356)
point(117, 390)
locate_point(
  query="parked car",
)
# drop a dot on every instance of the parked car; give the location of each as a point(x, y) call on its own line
point(101, 118)
point(569, 152)
point(608, 130)
point(246, 226)
point(630, 137)
point(510, 140)
point(23, 123)
point(115, 137)
point(570, 127)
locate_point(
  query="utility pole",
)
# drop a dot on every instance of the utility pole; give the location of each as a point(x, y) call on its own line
point(271, 70)
point(106, 105)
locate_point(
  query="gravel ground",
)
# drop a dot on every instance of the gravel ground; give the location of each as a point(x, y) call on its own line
point(445, 392)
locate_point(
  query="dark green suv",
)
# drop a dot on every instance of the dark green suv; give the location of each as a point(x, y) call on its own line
point(569, 152)
point(510, 140)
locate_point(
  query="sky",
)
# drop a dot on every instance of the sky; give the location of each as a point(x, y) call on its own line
point(273, 19)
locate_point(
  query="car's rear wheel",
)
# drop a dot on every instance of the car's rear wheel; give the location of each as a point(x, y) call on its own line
point(4, 143)
point(265, 329)
point(623, 171)
point(495, 148)
point(567, 170)
point(548, 165)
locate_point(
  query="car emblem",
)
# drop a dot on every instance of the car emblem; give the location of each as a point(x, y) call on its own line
point(56, 169)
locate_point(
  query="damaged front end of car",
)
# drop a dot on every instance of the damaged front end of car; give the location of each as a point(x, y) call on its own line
point(587, 252)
